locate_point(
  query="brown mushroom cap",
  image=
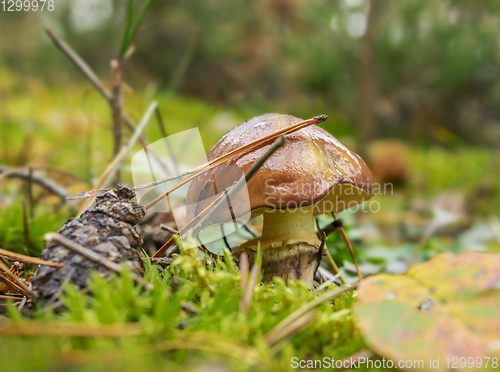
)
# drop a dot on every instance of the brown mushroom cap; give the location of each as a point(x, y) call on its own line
point(313, 168)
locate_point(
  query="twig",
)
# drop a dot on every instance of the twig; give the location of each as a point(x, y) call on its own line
point(334, 226)
point(344, 236)
point(193, 173)
point(10, 284)
point(45, 182)
point(328, 282)
point(210, 342)
point(171, 230)
point(87, 71)
point(23, 302)
point(217, 204)
point(26, 225)
point(93, 256)
point(17, 280)
point(28, 259)
point(116, 105)
point(159, 118)
point(118, 160)
point(301, 311)
point(37, 328)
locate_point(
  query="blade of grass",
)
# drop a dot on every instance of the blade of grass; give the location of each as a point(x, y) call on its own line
point(28, 259)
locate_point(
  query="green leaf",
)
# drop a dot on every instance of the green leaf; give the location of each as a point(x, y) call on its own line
point(445, 308)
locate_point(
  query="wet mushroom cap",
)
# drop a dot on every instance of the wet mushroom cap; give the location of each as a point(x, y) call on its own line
point(313, 168)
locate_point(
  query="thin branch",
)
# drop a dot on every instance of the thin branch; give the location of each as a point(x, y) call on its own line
point(118, 160)
point(193, 173)
point(31, 202)
point(301, 311)
point(87, 71)
point(15, 298)
point(37, 328)
point(244, 270)
point(325, 284)
point(344, 236)
point(294, 328)
point(17, 280)
point(46, 183)
point(93, 256)
point(116, 105)
point(28, 259)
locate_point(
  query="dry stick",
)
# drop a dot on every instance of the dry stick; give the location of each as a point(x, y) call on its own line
point(246, 299)
point(45, 182)
point(118, 160)
point(188, 226)
point(222, 159)
point(93, 256)
point(297, 326)
point(159, 118)
point(350, 249)
point(217, 204)
point(87, 71)
point(2, 297)
point(116, 106)
point(244, 270)
point(288, 321)
point(336, 270)
point(17, 280)
point(59, 171)
point(26, 225)
point(328, 230)
point(28, 259)
point(36, 328)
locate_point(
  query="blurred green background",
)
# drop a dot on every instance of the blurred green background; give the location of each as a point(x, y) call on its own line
point(411, 85)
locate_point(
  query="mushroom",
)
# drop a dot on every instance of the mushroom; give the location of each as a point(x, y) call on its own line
point(314, 173)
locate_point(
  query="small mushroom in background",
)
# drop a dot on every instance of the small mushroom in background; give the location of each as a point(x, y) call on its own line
point(312, 174)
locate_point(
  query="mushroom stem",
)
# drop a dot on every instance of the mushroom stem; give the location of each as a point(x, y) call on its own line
point(288, 222)
point(289, 245)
